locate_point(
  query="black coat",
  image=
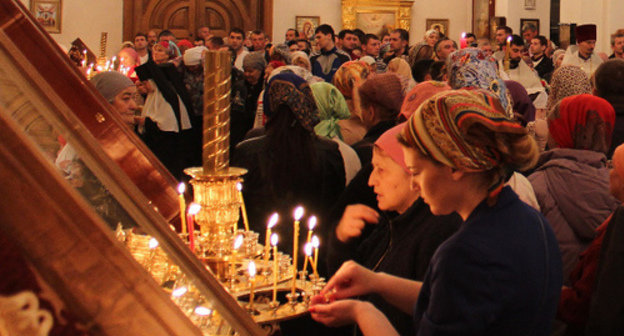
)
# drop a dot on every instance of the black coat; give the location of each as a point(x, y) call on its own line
point(400, 245)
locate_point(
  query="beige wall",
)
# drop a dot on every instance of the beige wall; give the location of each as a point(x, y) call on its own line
point(606, 14)
point(87, 19)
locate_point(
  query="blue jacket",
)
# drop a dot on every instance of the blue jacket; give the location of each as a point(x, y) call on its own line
point(326, 63)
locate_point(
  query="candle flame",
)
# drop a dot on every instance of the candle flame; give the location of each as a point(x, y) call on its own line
point(179, 291)
point(203, 311)
point(194, 209)
point(298, 213)
point(463, 35)
point(239, 186)
point(315, 241)
point(181, 188)
point(312, 223)
point(252, 269)
point(509, 39)
point(308, 249)
point(274, 239)
point(273, 220)
point(238, 242)
point(153, 243)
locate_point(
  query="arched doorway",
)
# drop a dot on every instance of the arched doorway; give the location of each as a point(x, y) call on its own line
point(183, 17)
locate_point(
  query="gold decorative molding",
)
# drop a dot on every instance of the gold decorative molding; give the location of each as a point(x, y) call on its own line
point(401, 9)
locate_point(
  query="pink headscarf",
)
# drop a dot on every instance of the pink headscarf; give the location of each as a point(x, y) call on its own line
point(389, 143)
point(420, 93)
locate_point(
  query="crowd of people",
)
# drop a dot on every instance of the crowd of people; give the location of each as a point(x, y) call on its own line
point(472, 191)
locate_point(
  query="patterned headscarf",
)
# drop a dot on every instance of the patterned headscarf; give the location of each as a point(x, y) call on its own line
point(293, 91)
point(332, 107)
point(582, 122)
point(471, 68)
point(443, 128)
point(348, 74)
point(567, 80)
point(419, 94)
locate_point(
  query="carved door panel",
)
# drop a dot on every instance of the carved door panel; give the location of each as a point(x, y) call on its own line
point(183, 17)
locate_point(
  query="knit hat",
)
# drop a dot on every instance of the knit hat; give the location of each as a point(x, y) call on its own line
point(420, 93)
point(585, 33)
point(110, 84)
point(389, 143)
point(384, 90)
point(293, 91)
point(255, 60)
point(194, 55)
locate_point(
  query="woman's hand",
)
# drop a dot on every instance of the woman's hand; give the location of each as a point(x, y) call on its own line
point(353, 221)
point(350, 280)
point(337, 313)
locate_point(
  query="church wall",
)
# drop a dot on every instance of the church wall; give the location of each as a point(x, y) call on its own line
point(606, 14)
point(87, 19)
point(459, 12)
point(514, 10)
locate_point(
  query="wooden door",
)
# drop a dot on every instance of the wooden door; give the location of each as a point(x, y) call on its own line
point(183, 17)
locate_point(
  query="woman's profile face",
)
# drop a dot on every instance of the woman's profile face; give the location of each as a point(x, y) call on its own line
point(435, 182)
point(390, 183)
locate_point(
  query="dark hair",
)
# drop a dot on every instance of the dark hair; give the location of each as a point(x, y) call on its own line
point(308, 45)
point(257, 32)
point(165, 32)
point(197, 38)
point(442, 39)
point(360, 34)
point(216, 40)
point(291, 150)
point(291, 42)
point(470, 35)
point(403, 34)
point(140, 34)
point(542, 39)
point(344, 33)
point(369, 37)
point(517, 40)
point(293, 29)
point(609, 81)
point(325, 29)
point(437, 70)
point(237, 30)
point(421, 68)
point(507, 30)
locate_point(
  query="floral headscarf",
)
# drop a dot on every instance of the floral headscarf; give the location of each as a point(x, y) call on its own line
point(293, 91)
point(348, 74)
point(471, 68)
point(567, 80)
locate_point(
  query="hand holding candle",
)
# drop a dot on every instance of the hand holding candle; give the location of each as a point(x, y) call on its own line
point(182, 201)
point(239, 186)
point(275, 265)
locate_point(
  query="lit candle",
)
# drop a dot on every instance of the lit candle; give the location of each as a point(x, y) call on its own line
point(193, 210)
point(238, 242)
point(308, 252)
point(89, 73)
point(298, 214)
point(152, 244)
point(315, 245)
point(507, 56)
point(311, 225)
point(239, 186)
point(84, 57)
point(252, 280)
point(267, 248)
point(182, 201)
point(275, 265)
point(462, 41)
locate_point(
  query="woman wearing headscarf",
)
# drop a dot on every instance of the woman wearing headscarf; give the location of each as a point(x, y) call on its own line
point(523, 108)
point(400, 67)
point(349, 76)
point(289, 165)
point(379, 99)
point(419, 94)
point(574, 304)
point(568, 80)
point(401, 224)
point(500, 273)
point(571, 181)
point(332, 107)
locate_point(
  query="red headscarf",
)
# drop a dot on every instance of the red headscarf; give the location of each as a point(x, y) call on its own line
point(582, 122)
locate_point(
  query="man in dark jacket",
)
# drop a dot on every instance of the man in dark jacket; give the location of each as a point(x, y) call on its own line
point(541, 63)
point(326, 63)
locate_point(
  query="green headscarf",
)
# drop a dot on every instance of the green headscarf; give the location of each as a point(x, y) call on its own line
point(332, 107)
